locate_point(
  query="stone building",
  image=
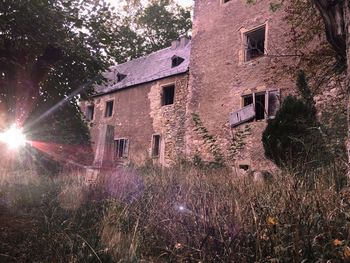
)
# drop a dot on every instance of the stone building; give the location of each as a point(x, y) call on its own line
point(234, 87)
point(139, 114)
point(222, 85)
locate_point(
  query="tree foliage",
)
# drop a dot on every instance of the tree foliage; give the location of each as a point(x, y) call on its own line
point(294, 139)
point(51, 51)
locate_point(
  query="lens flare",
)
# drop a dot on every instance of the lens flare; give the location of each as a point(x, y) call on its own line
point(13, 137)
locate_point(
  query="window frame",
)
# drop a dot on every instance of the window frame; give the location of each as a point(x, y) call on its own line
point(106, 107)
point(245, 42)
point(164, 87)
point(153, 155)
point(125, 152)
point(88, 107)
point(242, 51)
point(267, 104)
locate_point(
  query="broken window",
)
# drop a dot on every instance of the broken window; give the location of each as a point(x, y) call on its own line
point(90, 112)
point(168, 95)
point(257, 106)
point(255, 43)
point(175, 61)
point(121, 148)
point(155, 145)
point(109, 108)
point(247, 100)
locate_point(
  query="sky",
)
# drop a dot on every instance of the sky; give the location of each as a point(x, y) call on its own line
point(184, 3)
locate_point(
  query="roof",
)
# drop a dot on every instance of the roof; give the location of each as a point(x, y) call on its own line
point(154, 66)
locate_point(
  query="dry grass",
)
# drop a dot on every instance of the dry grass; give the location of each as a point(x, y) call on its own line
point(183, 214)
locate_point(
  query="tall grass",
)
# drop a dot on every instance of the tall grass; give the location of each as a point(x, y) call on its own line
point(178, 214)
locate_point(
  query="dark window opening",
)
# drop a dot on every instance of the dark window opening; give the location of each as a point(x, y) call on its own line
point(155, 145)
point(259, 106)
point(225, 1)
point(168, 95)
point(109, 109)
point(90, 112)
point(255, 43)
point(175, 61)
point(244, 167)
point(120, 77)
point(247, 100)
point(121, 148)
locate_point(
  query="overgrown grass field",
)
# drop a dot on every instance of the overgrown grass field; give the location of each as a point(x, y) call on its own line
point(178, 214)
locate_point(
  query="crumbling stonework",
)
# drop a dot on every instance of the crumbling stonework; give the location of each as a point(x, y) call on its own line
point(138, 114)
point(220, 76)
point(237, 53)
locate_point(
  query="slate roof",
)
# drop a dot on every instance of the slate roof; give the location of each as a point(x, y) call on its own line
point(154, 66)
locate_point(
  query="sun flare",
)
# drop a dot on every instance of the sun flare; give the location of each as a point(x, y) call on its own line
point(13, 137)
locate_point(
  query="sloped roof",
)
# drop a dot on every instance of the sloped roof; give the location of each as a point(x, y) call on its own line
point(156, 65)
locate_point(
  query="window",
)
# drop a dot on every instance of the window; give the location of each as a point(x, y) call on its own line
point(256, 106)
point(225, 1)
point(175, 61)
point(120, 77)
point(90, 112)
point(254, 43)
point(258, 99)
point(121, 148)
point(155, 145)
point(168, 95)
point(109, 108)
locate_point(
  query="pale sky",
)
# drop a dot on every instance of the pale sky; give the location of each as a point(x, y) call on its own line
point(184, 3)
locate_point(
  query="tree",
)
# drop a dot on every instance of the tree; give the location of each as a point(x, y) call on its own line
point(293, 139)
point(153, 25)
point(335, 15)
point(51, 52)
point(336, 18)
point(49, 49)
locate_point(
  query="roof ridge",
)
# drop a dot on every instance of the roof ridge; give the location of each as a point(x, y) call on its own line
point(143, 57)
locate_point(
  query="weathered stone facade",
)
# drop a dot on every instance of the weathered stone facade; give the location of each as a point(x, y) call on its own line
point(237, 50)
point(220, 76)
point(137, 115)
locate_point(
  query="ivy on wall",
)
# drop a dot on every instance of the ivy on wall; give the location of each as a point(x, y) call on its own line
point(237, 141)
point(208, 140)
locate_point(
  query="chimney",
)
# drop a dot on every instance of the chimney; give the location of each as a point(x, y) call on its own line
point(175, 44)
point(184, 41)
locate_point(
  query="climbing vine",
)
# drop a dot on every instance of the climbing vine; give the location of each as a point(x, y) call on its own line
point(209, 140)
point(237, 141)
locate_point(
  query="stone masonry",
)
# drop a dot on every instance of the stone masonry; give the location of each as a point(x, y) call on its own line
point(228, 70)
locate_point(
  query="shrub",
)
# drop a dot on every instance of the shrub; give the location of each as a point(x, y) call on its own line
point(294, 138)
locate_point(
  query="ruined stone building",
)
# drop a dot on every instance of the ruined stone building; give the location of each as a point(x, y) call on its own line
point(206, 97)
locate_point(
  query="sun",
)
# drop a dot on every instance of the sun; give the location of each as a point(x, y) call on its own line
point(13, 137)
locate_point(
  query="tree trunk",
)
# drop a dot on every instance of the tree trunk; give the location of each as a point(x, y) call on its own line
point(346, 8)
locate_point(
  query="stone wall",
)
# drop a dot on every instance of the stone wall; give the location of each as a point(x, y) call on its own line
point(219, 76)
point(138, 114)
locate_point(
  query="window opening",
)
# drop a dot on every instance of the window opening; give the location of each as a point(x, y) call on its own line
point(121, 148)
point(175, 61)
point(255, 43)
point(247, 100)
point(168, 95)
point(244, 167)
point(109, 109)
point(90, 112)
point(259, 106)
point(155, 145)
point(120, 77)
